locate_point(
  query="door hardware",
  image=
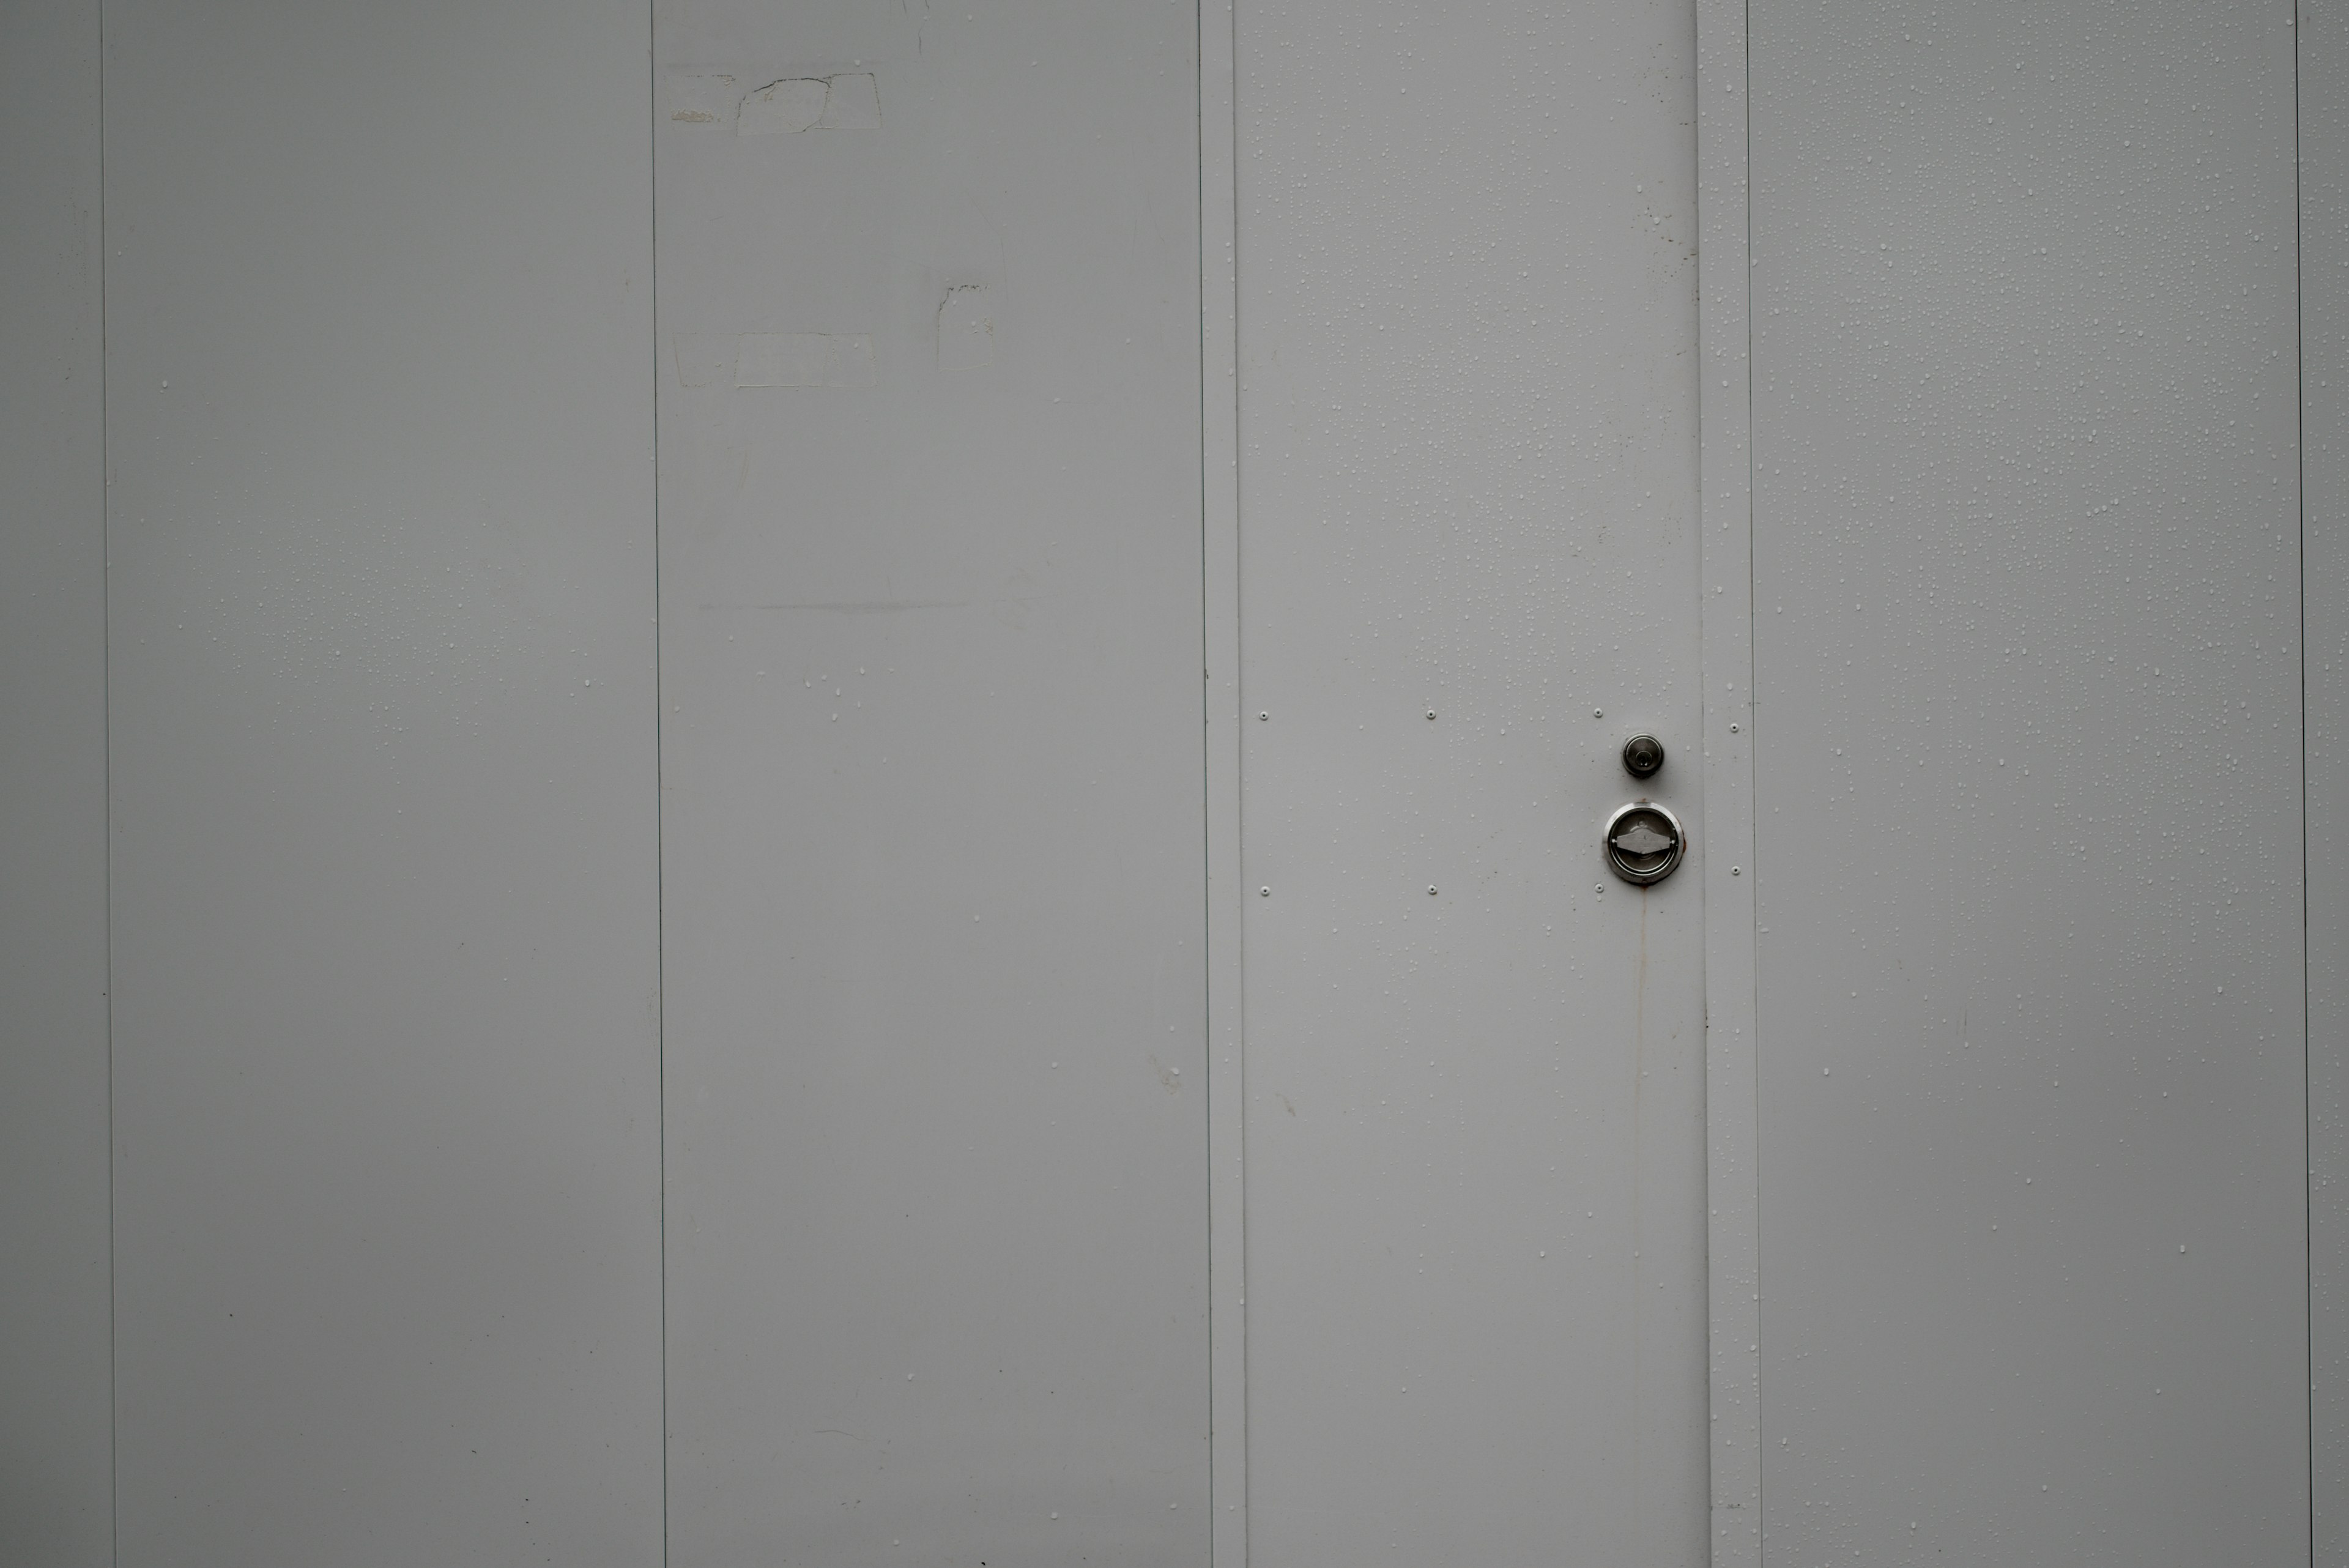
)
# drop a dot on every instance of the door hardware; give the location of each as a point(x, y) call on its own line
point(1643, 842)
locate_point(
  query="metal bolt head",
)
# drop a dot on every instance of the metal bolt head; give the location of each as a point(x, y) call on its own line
point(1643, 756)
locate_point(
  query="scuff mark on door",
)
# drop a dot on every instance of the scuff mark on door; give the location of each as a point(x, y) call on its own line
point(966, 327)
point(850, 102)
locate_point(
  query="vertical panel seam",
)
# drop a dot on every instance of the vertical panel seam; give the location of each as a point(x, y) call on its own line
point(1727, 627)
point(106, 776)
point(1222, 777)
point(1239, 767)
point(660, 852)
point(1753, 774)
point(2307, 1058)
point(1206, 751)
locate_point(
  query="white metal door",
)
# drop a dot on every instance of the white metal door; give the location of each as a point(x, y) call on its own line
point(1468, 573)
point(2027, 844)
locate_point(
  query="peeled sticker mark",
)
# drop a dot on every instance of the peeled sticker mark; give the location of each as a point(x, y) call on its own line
point(782, 106)
point(805, 360)
point(965, 329)
point(850, 102)
point(705, 361)
point(700, 97)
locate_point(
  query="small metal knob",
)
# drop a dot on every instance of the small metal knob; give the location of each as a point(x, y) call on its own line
point(1643, 756)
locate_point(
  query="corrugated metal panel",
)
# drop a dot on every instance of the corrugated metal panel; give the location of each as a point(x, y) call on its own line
point(379, 319)
point(932, 760)
point(57, 1503)
point(2028, 731)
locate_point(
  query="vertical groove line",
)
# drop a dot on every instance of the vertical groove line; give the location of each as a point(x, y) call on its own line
point(1754, 775)
point(660, 853)
point(1206, 744)
point(1240, 793)
point(106, 773)
point(2307, 1057)
point(1234, 982)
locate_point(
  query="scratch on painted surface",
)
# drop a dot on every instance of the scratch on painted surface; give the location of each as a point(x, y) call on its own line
point(782, 108)
point(851, 101)
point(966, 327)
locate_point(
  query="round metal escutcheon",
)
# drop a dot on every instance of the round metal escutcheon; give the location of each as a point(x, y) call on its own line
point(1643, 842)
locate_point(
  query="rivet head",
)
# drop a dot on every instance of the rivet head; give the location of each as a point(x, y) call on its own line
point(1263, 716)
point(1431, 892)
point(1430, 712)
point(1599, 712)
point(1732, 729)
point(1264, 892)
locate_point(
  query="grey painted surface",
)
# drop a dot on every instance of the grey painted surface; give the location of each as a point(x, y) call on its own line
point(1227, 722)
point(55, 1470)
point(1468, 466)
point(384, 900)
point(2323, 50)
point(2026, 580)
point(932, 770)
point(1732, 1134)
point(383, 729)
